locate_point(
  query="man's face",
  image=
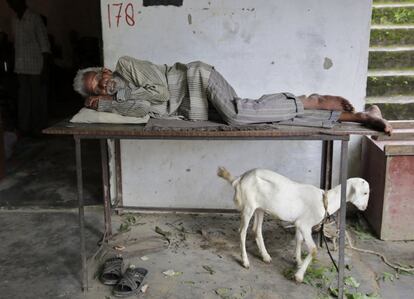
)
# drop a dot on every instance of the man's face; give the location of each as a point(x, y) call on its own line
point(100, 83)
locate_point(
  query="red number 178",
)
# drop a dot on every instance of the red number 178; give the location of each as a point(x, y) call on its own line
point(127, 13)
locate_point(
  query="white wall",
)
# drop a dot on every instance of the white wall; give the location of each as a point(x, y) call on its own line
point(260, 47)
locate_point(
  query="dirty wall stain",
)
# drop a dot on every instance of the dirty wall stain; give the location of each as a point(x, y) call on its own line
point(327, 64)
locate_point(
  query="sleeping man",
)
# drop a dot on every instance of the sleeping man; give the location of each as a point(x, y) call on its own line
point(196, 90)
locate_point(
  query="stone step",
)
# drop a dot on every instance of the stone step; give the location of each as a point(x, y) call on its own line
point(391, 74)
point(391, 58)
point(392, 36)
point(393, 5)
point(375, 2)
point(394, 111)
point(396, 14)
point(390, 100)
point(392, 26)
point(390, 83)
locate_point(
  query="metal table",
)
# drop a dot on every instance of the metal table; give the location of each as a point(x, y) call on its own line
point(116, 132)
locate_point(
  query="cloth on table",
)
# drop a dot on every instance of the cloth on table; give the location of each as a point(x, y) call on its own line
point(86, 115)
point(185, 125)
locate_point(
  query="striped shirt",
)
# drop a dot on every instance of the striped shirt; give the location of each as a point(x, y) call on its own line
point(160, 90)
point(30, 42)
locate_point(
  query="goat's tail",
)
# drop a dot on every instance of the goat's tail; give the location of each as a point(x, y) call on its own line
point(223, 173)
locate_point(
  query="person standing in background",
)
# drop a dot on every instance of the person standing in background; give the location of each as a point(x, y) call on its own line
point(32, 51)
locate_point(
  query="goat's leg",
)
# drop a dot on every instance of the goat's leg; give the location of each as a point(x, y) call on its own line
point(298, 251)
point(307, 235)
point(246, 215)
point(257, 229)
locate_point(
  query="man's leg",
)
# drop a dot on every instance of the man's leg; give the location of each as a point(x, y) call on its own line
point(326, 102)
point(24, 104)
point(372, 118)
point(238, 111)
point(39, 104)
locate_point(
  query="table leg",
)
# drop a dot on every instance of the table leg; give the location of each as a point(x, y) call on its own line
point(105, 181)
point(326, 167)
point(118, 173)
point(326, 172)
point(84, 274)
point(342, 217)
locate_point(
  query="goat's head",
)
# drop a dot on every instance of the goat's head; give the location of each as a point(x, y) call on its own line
point(358, 192)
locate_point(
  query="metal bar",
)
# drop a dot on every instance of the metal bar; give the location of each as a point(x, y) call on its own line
point(342, 218)
point(105, 182)
point(322, 179)
point(84, 273)
point(170, 209)
point(118, 173)
point(326, 172)
point(223, 138)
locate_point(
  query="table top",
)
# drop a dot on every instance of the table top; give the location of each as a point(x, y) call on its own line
point(137, 131)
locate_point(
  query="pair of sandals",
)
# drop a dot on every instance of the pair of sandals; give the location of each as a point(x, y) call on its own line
point(124, 285)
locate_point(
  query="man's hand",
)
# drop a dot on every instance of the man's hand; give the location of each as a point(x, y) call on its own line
point(93, 101)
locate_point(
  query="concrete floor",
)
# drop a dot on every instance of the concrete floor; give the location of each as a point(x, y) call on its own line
point(39, 255)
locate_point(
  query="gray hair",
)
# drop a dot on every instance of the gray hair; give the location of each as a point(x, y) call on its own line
point(79, 84)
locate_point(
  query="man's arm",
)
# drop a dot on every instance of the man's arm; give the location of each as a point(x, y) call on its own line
point(106, 103)
point(146, 81)
point(43, 41)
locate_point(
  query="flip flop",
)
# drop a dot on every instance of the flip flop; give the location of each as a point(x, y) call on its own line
point(130, 282)
point(112, 271)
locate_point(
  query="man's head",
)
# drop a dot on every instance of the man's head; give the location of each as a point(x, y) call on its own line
point(19, 6)
point(95, 81)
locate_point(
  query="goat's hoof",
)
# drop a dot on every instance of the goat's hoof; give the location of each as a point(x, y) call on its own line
point(267, 259)
point(298, 278)
point(246, 265)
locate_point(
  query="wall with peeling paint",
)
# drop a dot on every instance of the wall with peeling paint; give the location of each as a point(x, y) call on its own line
point(260, 47)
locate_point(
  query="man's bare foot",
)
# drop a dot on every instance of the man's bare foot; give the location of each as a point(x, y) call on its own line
point(327, 102)
point(374, 120)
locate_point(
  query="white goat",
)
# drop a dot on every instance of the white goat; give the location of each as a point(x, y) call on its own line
point(259, 190)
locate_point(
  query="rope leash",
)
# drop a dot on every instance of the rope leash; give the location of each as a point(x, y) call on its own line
point(351, 245)
point(325, 218)
point(384, 259)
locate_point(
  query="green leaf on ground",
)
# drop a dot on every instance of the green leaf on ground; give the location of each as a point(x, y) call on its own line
point(334, 291)
point(361, 232)
point(130, 219)
point(124, 227)
point(351, 281)
point(288, 273)
point(361, 296)
point(387, 276)
point(165, 234)
point(172, 273)
point(224, 293)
